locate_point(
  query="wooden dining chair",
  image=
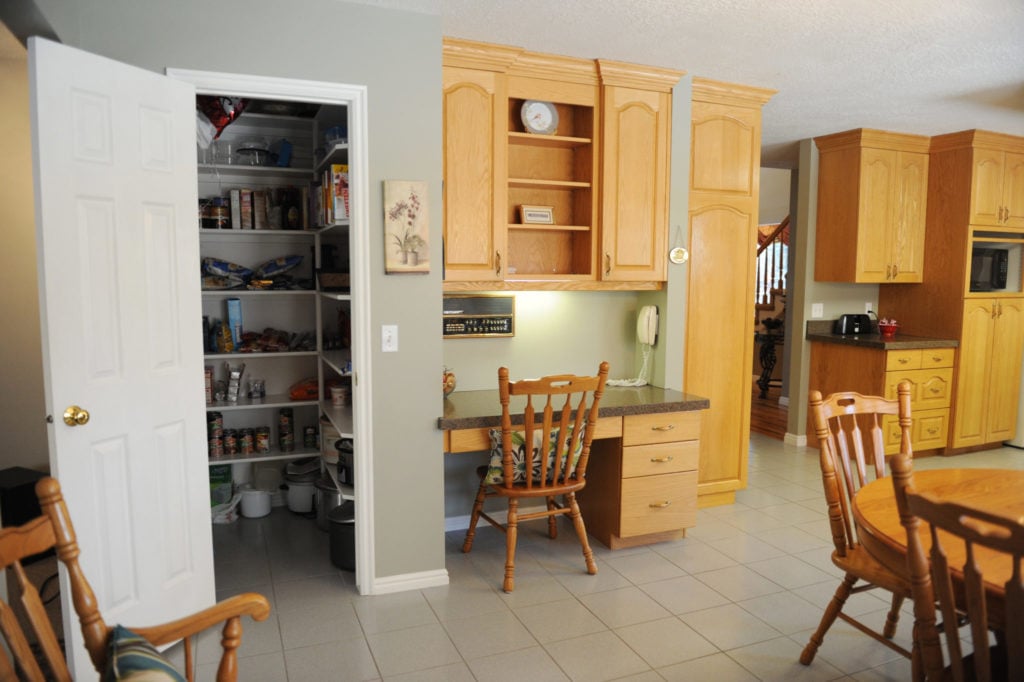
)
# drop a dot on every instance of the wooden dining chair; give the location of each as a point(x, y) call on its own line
point(545, 460)
point(987, 540)
point(108, 645)
point(849, 427)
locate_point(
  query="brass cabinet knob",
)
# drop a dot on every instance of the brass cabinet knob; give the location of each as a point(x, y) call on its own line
point(76, 416)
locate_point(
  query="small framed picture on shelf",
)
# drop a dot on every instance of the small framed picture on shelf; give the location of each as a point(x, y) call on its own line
point(537, 215)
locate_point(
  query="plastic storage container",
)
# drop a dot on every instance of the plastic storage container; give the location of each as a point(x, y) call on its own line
point(300, 494)
point(255, 502)
point(343, 536)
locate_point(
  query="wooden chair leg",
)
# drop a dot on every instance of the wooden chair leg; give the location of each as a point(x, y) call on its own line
point(581, 531)
point(893, 619)
point(478, 505)
point(831, 613)
point(511, 534)
point(552, 520)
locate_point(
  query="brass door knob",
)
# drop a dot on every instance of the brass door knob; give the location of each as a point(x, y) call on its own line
point(76, 416)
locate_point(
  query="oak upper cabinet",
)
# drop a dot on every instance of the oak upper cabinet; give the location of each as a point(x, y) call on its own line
point(990, 371)
point(636, 107)
point(872, 196)
point(599, 176)
point(475, 164)
point(997, 196)
point(724, 180)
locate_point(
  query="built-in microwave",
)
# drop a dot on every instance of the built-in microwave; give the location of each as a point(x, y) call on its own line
point(988, 268)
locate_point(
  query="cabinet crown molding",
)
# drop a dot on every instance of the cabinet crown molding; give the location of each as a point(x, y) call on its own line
point(555, 67)
point(877, 139)
point(636, 75)
point(977, 138)
point(706, 90)
point(476, 55)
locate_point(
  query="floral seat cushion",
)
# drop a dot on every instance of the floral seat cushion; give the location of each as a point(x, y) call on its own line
point(495, 470)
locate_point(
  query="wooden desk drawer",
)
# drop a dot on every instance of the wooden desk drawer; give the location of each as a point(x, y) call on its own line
point(930, 388)
point(655, 504)
point(476, 440)
point(662, 427)
point(660, 458)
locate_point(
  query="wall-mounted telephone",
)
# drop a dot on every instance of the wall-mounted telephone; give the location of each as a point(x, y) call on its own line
point(646, 336)
point(647, 325)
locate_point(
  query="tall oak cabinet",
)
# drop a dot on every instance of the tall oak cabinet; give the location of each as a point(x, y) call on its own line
point(725, 160)
point(975, 201)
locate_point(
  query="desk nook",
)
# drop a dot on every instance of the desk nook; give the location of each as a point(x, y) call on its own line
point(642, 475)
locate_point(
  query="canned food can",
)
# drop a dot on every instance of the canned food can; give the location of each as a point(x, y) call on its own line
point(286, 420)
point(216, 446)
point(309, 437)
point(286, 442)
point(214, 424)
point(230, 442)
point(246, 441)
point(263, 440)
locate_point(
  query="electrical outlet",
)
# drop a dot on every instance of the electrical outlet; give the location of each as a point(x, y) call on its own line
point(389, 338)
point(817, 311)
point(869, 307)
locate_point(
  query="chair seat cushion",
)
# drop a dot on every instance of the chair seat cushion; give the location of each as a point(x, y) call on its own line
point(495, 471)
point(132, 657)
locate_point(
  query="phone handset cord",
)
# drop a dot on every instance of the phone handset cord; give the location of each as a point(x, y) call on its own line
point(645, 371)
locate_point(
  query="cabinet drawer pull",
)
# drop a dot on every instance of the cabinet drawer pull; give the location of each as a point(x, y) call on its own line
point(607, 263)
point(667, 427)
point(935, 391)
point(936, 358)
point(662, 459)
point(932, 431)
point(904, 361)
point(497, 262)
point(659, 505)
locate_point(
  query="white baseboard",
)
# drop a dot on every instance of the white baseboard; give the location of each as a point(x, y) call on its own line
point(410, 581)
point(793, 439)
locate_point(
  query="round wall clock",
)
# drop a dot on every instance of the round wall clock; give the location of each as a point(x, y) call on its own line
point(539, 117)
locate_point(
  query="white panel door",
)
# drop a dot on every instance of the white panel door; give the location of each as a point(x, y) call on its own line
point(114, 153)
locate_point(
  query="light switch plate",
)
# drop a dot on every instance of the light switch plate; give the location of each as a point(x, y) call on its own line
point(389, 338)
point(817, 311)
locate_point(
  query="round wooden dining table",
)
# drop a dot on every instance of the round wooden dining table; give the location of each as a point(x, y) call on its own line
point(996, 490)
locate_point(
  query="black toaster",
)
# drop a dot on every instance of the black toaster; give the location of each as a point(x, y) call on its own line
point(852, 324)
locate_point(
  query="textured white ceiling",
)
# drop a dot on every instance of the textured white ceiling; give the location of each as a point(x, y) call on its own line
point(914, 66)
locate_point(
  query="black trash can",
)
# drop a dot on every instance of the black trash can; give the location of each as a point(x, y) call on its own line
point(343, 535)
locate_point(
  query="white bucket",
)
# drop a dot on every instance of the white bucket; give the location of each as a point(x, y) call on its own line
point(300, 496)
point(255, 503)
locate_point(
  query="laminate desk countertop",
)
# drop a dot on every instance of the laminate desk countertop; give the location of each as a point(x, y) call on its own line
point(482, 409)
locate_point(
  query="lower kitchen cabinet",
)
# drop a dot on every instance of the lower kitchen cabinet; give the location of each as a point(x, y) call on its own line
point(642, 487)
point(878, 371)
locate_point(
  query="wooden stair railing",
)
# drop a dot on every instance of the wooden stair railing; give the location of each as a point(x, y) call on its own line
point(771, 273)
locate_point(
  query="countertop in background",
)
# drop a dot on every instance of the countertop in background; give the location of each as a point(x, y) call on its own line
point(821, 331)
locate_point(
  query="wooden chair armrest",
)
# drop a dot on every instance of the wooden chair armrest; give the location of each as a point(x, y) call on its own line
point(249, 603)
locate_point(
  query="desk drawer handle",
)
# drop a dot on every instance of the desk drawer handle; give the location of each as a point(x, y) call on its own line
point(669, 427)
point(659, 505)
point(662, 459)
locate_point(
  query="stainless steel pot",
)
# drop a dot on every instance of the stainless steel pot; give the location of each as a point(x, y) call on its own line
point(327, 498)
